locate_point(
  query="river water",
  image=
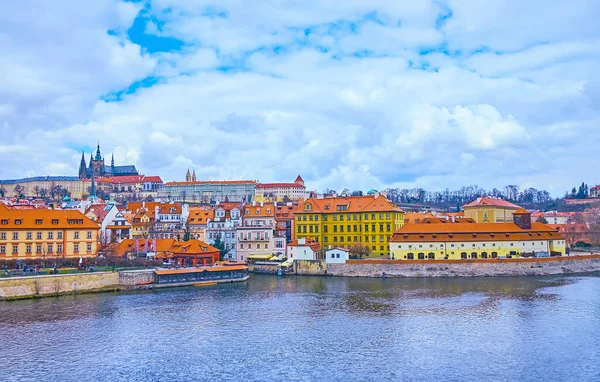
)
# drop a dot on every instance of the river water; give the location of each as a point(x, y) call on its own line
point(312, 329)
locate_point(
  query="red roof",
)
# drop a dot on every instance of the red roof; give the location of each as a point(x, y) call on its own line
point(487, 201)
point(299, 179)
point(99, 210)
point(279, 185)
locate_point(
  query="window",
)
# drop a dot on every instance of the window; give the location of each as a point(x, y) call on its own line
point(325, 229)
point(421, 256)
point(38, 236)
point(341, 228)
point(3, 249)
point(337, 255)
point(310, 229)
point(334, 217)
point(59, 248)
point(341, 239)
point(15, 236)
point(28, 236)
point(333, 255)
point(326, 239)
point(324, 218)
point(411, 256)
point(89, 247)
point(50, 248)
point(463, 255)
point(335, 228)
point(341, 217)
point(89, 234)
point(354, 217)
point(3, 236)
point(28, 248)
point(366, 216)
point(249, 245)
point(372, 216)
point(310, 217)
point(388, 228)
point(473, 255)
point(387, 216)
point(431, 256)
point(15, 249)
point(355, 228)
point(38, 249)
point(355, 239)
point(366, 228)
point(75, 247)
point(38, 221)
point(4, 221)
point(76, 235)
point(317, 229)
point(335, 239)
point(242, 246)
point(18, 221)
point(50, 235)
point(373, 227)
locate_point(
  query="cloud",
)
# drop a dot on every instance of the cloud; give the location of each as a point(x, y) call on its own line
point(349, 94)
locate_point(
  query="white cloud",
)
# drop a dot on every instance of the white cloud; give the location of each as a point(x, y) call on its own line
point(338, 91)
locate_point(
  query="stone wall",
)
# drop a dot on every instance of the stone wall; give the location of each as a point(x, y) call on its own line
point(310, 267)
point(466, 268)
point(23, 287)
point(270, 269)
point(130, 278)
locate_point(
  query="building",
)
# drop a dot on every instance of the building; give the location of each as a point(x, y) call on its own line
point(346, 221)
point(157, 219)
point(304, 249)
point(189, 253)
point(490, 210)
point(46, 234)
point(45, 186)
point(208, 191)
point(98, 168)
point(284, 219)
point(595, 191)
point(257, 235)
point(118, 229)
point(197, 222)
point(103, 215)
point(337, 256)
point(138, 185)
point(280, 192)
point(228, 216)
point(443, 241)
point(554, 217)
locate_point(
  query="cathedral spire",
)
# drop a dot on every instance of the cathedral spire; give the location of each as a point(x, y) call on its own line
point(112, 160)
point(188, 177)
point(194, 176)
point(82, 166)
point(98, 155)
point(93, 188)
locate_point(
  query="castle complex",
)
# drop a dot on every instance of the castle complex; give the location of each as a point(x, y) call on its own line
point(98, 168)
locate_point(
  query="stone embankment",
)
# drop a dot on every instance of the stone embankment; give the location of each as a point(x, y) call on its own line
point(467, 268)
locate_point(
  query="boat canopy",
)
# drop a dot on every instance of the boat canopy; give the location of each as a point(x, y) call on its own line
point(260, 257)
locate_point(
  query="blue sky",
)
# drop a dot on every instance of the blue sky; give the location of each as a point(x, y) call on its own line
point(353, 94)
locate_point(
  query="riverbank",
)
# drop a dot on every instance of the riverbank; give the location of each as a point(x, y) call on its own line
point(467, 268)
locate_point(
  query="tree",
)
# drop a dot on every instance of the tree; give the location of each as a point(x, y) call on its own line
point(36, 190)
point(542, 220)
point(43, 193)
point(19, 191)
point(55, 190)
point(221, 247)
point(359, 250)
point(357, 193)
point(2, 192)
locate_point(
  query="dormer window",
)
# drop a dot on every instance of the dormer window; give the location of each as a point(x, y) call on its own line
point(308, 206)
point(18, 221)
point(4, 221)
point(38, 221)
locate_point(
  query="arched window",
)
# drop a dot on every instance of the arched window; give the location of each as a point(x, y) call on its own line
point(421, 256)
point(494, 255)
point(463, 255)
point(411, 256)
point(484, 255)
point(431, 256)
point(473, 255)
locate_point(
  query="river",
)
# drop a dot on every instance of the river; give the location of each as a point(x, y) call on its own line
point(312, 329)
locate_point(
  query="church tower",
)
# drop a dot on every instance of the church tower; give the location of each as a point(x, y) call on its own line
point(97, 164)
point(82, 167)
point(188, 177)
point(194, 176)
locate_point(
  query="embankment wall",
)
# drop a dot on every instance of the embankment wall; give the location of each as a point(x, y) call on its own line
point(34, 286)
point(466, 268)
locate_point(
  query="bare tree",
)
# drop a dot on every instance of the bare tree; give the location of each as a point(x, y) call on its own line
point(36, 190)
point(18, 189)
point(359, 250)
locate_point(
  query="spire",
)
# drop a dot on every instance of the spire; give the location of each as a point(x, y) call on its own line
point(194, 176)
point(188, 177)
point(82, 166)
point(93, 188)
point(112, 160)
point(98, 155)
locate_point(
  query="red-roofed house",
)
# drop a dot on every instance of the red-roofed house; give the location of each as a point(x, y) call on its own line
point(270, 192)
point(488, 209)
point(304, 249)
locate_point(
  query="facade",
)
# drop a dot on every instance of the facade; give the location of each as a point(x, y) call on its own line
point(595, 192)
point(208, 191)
point(256, 234)
point(139, 185)
point(304, 249)
point(118, 229)
point(189, 253)
point(284, 219)
point(337, 256)
point(46, 186)
point(345, 221)
point(98, 168)
point(442, 241)
point(280, 192)
point(197, 222)
point(490, 210)
point(103, 215)
point(46, 234)
point(157, 219)
point(228, 216)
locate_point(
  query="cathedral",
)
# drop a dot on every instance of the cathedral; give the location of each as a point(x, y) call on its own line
point(98, 168)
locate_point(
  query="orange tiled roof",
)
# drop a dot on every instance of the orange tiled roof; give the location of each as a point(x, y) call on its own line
point(474, 232)
point(30, 218)
point(279, 185)
point(313, 244)
point(348, 204)
point(164, 207)
point(267, 210)
point(200, 215)
point(223, 182)
point(165, 246)
point(487, 201)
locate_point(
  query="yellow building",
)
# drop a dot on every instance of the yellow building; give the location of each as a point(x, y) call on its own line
point(46, 234)
point(443, 241)
point(42, 186)
point(490, 210)
point(346, 221)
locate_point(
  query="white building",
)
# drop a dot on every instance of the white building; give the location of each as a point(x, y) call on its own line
point(337, 256)
point(227, 218)
point(304, 249)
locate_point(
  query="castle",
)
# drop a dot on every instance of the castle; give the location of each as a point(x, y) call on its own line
point(98, 168)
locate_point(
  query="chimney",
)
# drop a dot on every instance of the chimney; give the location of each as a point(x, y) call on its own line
point(253, 204)
point(143, 204)
point(261, 204)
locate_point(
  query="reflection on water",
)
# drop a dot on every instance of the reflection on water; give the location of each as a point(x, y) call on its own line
point(313, 328)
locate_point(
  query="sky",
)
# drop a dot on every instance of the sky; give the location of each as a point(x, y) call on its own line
point(353, 93)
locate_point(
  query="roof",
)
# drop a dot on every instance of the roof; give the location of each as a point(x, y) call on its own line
point(170, 246)
point(99, 211)
point(299, 179)
point(474, 232)
point(348, 204)
point(313, 244)
point(164, 207)
point(266, 210)
point(521, 211)
point(279, 185)
point(40, 179)
point(488, 201)
point(63, 219)
point(200, 215)
point(217, 182)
